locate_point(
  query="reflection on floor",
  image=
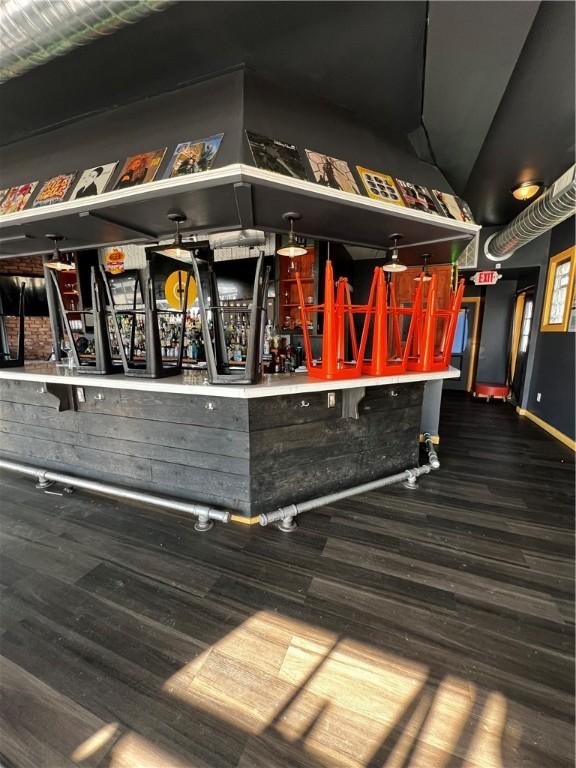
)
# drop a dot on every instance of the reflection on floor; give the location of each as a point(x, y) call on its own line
point(401, 629)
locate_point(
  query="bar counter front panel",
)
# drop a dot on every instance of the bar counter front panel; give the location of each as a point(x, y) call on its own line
point(233, 448)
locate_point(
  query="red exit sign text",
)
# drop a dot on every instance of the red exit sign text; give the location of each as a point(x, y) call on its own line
point(488, 277)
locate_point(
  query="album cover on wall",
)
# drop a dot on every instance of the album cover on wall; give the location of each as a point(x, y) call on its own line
point(416, 196)
point(465, 208)
point(331, 172)
point(193, 156)
point(54, 190)
point(93, 181)
point(140, 169)
point(275, 155)
point(17, 197)
point(448, 205)
point(379, 186)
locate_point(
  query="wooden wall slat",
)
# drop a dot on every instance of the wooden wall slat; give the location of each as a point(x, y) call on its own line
point(199, 459)
point(224, 413)
point(221, 442)
point(269, 412)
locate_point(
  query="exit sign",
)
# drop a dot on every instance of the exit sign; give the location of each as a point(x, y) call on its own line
point(488, 277)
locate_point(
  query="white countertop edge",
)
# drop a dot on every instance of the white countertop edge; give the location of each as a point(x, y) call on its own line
point(280, 384)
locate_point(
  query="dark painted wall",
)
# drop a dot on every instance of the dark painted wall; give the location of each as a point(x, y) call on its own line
point(226, 103)
point(495, 337)
point(194, 112)
point(322, 127)
point(554, 359)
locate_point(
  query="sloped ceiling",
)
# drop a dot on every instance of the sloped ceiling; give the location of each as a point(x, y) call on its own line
point(485, 89)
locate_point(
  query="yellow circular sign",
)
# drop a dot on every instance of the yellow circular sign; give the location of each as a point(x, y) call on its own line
point(174, 288)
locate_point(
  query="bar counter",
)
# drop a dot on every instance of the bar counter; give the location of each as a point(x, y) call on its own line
point(246, 449)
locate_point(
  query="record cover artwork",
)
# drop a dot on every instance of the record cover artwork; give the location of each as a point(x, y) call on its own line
point(54, 190)
point(448, 205)
point(17, 197)
point(193, 156)
point(93, 181)
point(331, 172)
point(140, 169)
point(277, 156)
point(379, 186)
point(417, 197)
point(465, 208)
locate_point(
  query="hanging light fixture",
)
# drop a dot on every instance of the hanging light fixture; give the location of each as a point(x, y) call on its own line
point(426, 277)
point(394, 264)
point(176, 250)
point(58, 261)
point(292, 247)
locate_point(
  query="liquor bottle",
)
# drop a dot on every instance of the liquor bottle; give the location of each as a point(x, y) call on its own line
point(299, 355)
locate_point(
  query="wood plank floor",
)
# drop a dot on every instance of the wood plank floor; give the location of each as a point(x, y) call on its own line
point(399, 629)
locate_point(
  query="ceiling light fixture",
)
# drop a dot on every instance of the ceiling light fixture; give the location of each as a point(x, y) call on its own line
point(58, 261)
point(394, 264)
point(177, 250)
point(292, 247)
point(527, 190)
point(426, 277)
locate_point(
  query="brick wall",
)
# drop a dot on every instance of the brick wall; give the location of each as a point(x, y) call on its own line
point(29, 266)
point(37, 336)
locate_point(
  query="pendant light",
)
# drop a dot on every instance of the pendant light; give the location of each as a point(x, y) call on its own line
point(177, 250)
point(292, 247)
point(426, 277)
point(58, 261)
point(394, 264)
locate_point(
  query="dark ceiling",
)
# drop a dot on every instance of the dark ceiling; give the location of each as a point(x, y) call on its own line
point(484, 88)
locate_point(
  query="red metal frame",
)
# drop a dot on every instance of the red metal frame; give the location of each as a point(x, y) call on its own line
point(428, 345)
point(423, 355)
point(336, 310)
point(387, 316)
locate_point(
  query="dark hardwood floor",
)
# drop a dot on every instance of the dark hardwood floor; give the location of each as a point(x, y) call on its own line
point(422, 629)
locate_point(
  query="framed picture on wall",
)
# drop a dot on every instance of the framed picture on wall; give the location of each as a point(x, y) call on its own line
point(93, 181)
point(193, 156)
point(54, 190)
point(275, 155)
point(379, 186)
point(140, 169)
point(331, 172)
point(17, 197)
point(559, 291)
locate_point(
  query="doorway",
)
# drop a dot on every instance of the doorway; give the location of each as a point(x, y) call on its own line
point(521, 327)
point(465, 347)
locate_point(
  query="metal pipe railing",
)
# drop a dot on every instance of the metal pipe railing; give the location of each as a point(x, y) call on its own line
point(285, 515)
point(205, 514)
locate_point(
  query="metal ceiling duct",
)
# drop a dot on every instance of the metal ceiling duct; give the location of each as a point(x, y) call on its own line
point(550, 209)
point(33, 32)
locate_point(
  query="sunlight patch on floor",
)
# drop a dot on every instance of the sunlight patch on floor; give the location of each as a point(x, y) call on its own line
point(338, 700)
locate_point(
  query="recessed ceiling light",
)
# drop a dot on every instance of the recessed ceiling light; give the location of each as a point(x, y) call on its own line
point(526, 190)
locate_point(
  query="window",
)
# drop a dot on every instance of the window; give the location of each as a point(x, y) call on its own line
point(559, 291)
point(526, 325)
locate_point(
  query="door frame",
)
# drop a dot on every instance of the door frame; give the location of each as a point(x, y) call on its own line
point(476, 302)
